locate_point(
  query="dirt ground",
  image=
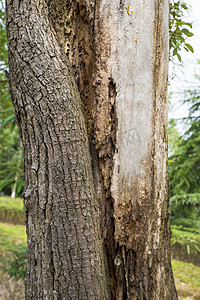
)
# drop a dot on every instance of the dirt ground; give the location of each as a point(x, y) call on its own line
point(186, 291)
point(11, 289)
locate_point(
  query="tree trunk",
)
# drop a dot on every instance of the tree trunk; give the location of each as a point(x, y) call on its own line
point(119, 54)
point(65, 257)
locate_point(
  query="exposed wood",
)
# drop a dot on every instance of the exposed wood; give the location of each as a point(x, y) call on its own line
point(126, 114)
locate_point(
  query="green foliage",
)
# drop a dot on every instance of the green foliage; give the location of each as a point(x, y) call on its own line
point(17, 266)
point(180, 227)
point(179, 30)
point(185, 210)
point(187, 222)
point(13, 250)
point(184, 165)
point(4, 88)
point(187, 199)
point(184, 176)
point(173, 137)
point(183, 237)
point(12, 210)
point(11, 161)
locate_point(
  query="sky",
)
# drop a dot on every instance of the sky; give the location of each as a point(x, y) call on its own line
point(185, 75)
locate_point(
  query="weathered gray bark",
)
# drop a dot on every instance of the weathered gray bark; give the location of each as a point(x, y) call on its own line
point(119, 53)
point(65, 257)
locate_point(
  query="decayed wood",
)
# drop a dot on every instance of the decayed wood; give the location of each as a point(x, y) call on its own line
point(126, 114)
point(65, 257)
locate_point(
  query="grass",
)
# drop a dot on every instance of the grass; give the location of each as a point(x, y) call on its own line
point(187, 278)
point(12, 210)
point(10, 289)
point(10, 237)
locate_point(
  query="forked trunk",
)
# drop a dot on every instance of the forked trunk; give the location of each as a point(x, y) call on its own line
point(119, 54)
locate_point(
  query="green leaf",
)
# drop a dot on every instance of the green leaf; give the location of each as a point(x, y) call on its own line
point(187, 32)
point(181, 39)
point(179, 57)
point(6, 110)
point(190, 47)
point(188, 24)
point(13, 126)
point(175, 52)
point(197, 248)
point(8, 119)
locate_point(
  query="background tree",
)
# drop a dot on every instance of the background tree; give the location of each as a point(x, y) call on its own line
point(11, 160)
point(184, 166)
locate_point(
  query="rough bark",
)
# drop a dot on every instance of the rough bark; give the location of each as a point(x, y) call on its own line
point(65, 256)
point(119, 54)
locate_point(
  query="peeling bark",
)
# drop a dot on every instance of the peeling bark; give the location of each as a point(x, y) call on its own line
point(118, 51)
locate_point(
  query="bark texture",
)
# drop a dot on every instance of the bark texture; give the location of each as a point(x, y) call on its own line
point(65, 256)
point(119, 54)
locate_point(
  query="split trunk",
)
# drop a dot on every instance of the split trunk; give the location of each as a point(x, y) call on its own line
point(96, 196)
